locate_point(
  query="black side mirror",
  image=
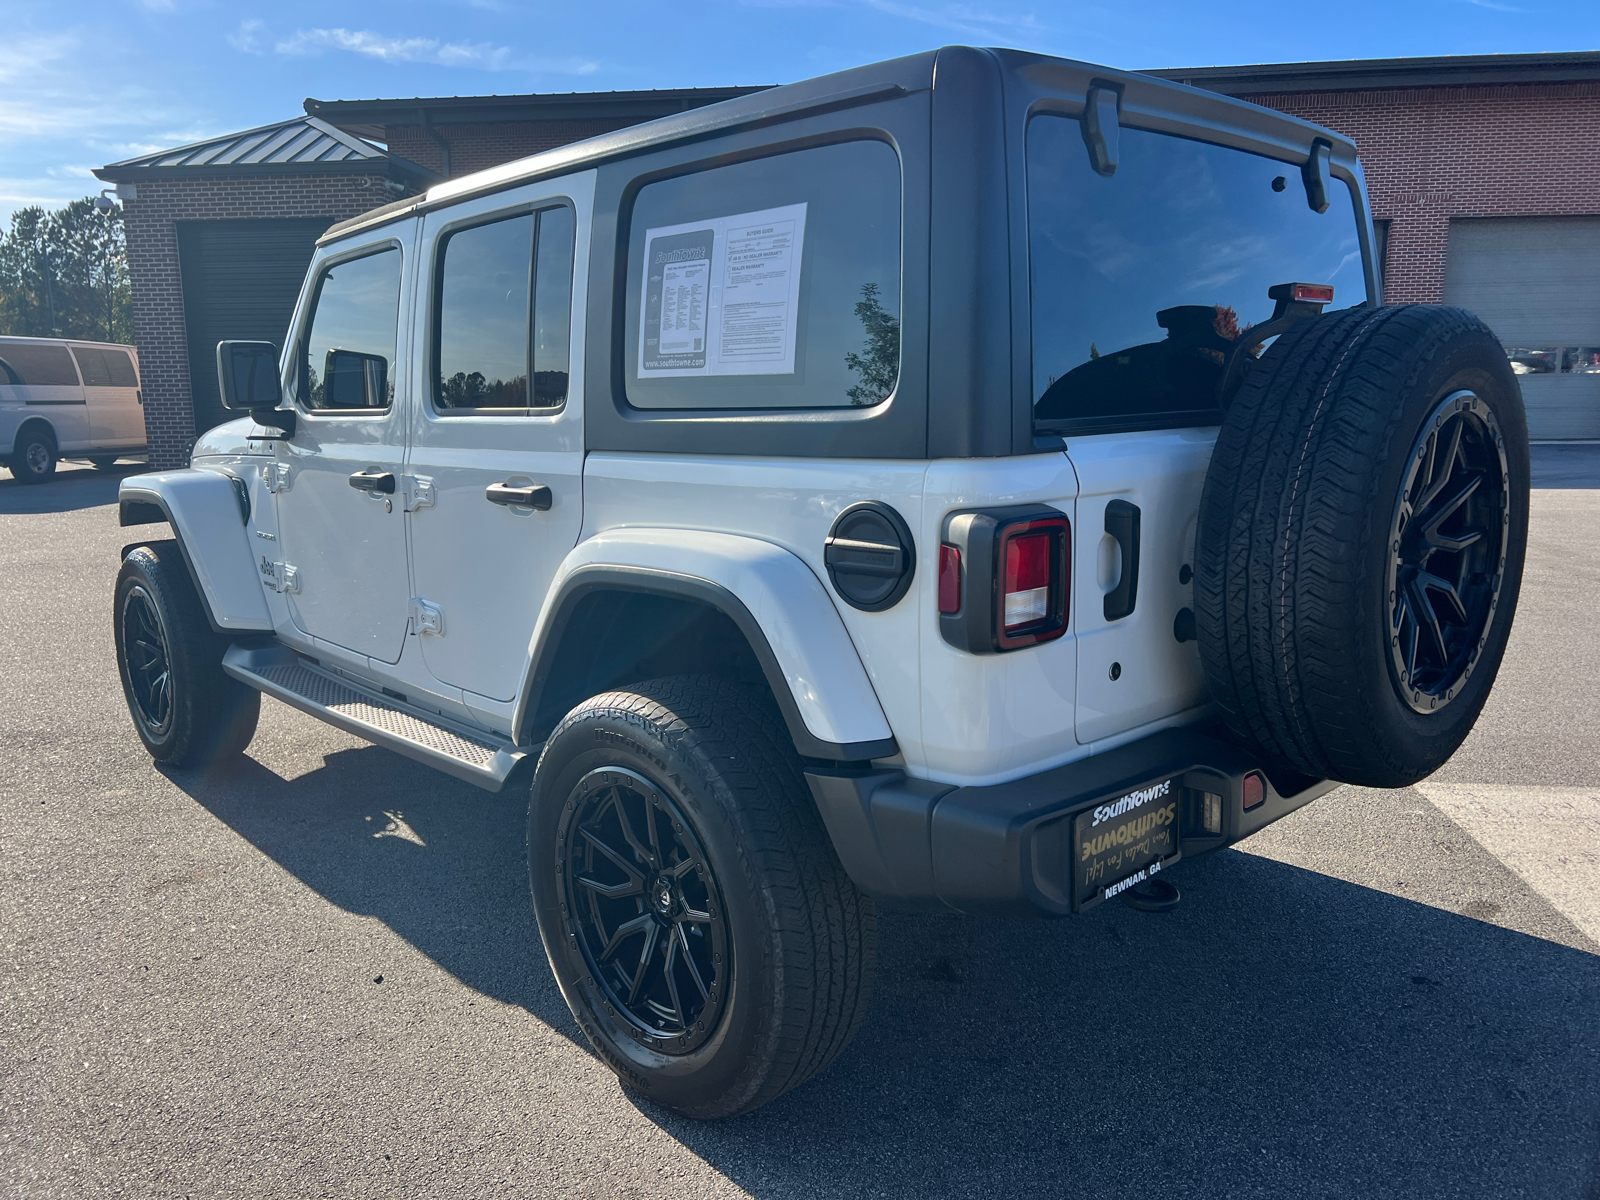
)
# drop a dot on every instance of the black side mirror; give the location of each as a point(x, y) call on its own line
point(247, 375)
point(355, 380)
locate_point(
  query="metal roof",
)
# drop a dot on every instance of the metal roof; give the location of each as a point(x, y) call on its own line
point(1360, 74)
point(300, 145)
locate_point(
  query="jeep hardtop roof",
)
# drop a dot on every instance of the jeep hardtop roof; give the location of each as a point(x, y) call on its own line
point(1149, 101)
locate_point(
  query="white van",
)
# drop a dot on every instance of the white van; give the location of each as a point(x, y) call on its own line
point(62, 398)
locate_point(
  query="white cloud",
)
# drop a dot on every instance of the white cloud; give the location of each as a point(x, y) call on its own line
point(480, 55)
point(245, 37)
point(964, 19)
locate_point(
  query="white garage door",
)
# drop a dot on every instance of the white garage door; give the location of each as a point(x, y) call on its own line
point(1536, 281)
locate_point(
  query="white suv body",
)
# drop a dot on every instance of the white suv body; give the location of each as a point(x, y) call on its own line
point(874, 419)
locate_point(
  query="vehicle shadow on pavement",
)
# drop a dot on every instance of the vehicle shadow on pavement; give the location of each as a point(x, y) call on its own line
point(346, 830)
point(70, 489)
point(1283, 1032)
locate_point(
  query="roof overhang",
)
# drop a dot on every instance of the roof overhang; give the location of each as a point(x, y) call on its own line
point(1465, 70)
point(370, 118)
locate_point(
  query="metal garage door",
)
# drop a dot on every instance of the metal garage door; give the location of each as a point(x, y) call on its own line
point(240, 280)
point(1536, 281)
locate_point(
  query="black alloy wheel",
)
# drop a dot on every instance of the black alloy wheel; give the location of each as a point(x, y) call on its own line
point(1447, 551)
point(698, 922)
point(644, 905)
point(187, 710)
point(149, 662)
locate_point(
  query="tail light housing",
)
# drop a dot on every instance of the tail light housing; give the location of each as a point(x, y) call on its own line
point(1009, 578)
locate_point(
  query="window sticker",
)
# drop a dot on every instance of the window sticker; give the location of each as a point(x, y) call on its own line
point(722, 297)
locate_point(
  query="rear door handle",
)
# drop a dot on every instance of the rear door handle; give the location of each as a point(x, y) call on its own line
point(533, 495)
point(373, 482)
point(1122, 523)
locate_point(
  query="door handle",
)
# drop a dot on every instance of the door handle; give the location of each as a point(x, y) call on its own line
point(374, 482)
point(1122, 523)
point(533, 495)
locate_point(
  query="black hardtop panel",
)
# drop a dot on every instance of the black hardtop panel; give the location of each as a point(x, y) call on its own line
point(842, 89)
point(1038, 83)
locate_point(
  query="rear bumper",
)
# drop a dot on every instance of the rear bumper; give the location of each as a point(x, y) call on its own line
point(1007, 848)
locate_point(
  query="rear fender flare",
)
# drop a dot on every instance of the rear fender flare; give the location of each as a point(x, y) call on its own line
point(805, 653)
point(206, 516)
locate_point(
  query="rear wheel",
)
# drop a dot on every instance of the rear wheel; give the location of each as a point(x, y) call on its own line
point(1361, 542)
point(33, 459)
point(698, 922)
point(187, 710)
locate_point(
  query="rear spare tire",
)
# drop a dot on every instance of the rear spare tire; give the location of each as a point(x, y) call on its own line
point(1361, 542)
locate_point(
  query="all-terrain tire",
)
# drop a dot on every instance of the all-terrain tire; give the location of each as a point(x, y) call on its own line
point(187, 710)
point(1323, 592)
point(34, 456)
point(787, 960)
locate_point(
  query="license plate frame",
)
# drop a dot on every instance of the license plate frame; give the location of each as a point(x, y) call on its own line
point(1125, 838)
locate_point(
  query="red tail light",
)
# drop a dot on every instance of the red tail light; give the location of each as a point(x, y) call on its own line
point(949, 579)
point(1320, 293)
point(1034, 565)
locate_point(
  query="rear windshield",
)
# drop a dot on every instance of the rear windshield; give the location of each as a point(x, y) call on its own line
point(1143, 279)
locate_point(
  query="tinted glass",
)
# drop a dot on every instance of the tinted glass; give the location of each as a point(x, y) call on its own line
point(552, 308)
point(350, 349)
point(773, 283)
point(105, 368)
point(483, 316)
point(41, 366)
point(1141, 281)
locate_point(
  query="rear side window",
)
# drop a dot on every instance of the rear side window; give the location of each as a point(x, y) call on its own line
point(40, 366)
point(105, 368)
point(504, 314)
point(1142, 280)
point(349, 355)
point(772, 283)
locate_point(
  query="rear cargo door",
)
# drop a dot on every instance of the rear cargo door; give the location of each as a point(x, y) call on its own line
point(1133, 565)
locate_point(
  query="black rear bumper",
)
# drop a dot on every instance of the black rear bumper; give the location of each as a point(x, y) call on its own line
point(1007, 848)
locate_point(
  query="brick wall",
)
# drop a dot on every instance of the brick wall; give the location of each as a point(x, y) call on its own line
point(158, 288)
point(1431, 154)
point(476, 147)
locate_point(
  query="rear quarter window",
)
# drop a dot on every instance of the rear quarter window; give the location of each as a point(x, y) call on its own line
point(1141, 280)
point(770, 283)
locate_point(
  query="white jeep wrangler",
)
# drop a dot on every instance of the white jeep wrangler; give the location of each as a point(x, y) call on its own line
point(970, 482)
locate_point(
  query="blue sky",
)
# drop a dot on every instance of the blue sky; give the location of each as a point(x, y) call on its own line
point(87, 82)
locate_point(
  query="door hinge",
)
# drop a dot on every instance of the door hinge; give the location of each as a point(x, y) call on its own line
point(426, 618)
point(276, 477)
point(280, 576)
point(418, 492)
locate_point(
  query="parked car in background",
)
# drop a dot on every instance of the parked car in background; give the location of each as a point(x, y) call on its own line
point(62, 398)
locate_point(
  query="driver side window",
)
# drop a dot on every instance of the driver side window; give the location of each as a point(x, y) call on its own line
point(349, 356)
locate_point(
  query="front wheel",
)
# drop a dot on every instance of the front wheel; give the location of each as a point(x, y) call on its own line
point(699, 924)
point(187, 710)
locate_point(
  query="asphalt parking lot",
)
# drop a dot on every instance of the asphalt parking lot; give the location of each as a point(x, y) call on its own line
point(316, 974)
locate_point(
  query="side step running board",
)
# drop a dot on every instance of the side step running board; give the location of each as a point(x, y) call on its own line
point(478, 757)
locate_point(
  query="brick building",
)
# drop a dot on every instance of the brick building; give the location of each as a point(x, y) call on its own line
point(1484, 173)
point(219, 236)
point(1484, 177)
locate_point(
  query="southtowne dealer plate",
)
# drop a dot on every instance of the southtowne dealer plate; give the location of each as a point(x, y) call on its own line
point(1124, 840)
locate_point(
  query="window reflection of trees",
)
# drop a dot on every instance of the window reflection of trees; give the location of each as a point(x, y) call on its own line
point(878, 365)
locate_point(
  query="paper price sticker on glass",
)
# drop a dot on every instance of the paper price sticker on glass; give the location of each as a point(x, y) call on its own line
point(722, 296)
point(1122, 836)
